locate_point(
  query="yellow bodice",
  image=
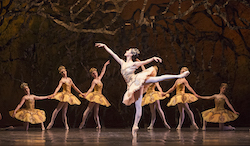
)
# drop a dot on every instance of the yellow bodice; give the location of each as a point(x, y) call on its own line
point(180, 89)
point(219, 103)
point(151, 88)
point(66, 87)
point(98, 87)
point(30, 104)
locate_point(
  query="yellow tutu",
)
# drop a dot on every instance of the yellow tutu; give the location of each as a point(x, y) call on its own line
point(66, 95)
point(219, 114)
point(30, 114)
point(182, 98)
point(151, 96)
point(97, 96)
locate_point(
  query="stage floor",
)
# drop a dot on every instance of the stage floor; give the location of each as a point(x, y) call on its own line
point(107, 137)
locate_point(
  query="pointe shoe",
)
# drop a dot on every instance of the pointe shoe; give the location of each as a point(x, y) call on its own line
point(81, 125)
point(67, 127)
point(168, 127)
point(98, 127)
point(204, 128)
point(194, 126)
point(178, 128)
point(150, 127)
point(184, 74)
point(134, 131)
point(49, 126)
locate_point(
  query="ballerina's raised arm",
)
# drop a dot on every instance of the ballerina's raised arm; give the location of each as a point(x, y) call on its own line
point(116, 57)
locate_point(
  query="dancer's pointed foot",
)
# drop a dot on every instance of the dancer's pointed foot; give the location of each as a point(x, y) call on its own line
point(229, 127)
point(184, 74)
point(134, 131)
point(150, 127)
point(81, 125)
point(67, 127)
point(204, 128)
point(167, 126)
point(178, 127)
point(98, 127)
point(50, 125)
point(194, 126)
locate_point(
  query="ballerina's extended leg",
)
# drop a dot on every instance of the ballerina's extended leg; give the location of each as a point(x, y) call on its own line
point(165, 77)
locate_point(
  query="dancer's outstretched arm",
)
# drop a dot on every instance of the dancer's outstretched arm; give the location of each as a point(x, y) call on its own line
point(208, 97)
point(118, 59)
point(171, 89)
point(230, 106)
point(190, 88)
point(58, 87)
point(75, 88)
point(42, 97)
point(140, 63)
point(103, 70)
point(19, 106)
point(91, 88)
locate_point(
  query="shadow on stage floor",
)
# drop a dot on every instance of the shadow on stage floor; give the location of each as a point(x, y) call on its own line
point(106, 137)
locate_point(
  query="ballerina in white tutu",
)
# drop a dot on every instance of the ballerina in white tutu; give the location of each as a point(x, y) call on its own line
point(136, 82)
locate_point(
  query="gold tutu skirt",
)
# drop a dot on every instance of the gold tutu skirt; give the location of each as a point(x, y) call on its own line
point(152, 97)
point(97, 97)
point(67, 97)
point(218, 116)
point(33, 116)
point(182, 98)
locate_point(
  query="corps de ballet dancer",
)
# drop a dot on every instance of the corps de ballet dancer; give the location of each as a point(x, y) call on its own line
point(29, 114)
point(65, 97)
point(152, 98)
point(219, 114)
point(96, 97)
point(136, 82)
point(181, 99)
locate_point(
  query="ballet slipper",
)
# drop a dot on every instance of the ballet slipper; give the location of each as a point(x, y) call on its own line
point(150, 127)
point(81, 125)
point(178, 127)
point(98, 127)
point(67, 127)
point(50, 126)
point(134, 131)
point(167, 126)
point(194, 126)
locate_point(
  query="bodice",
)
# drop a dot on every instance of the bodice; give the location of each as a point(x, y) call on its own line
point(180, 89)
point(30, 104)
point(219, 103)
point(151, 88)
point(66, 87)
point(98, 87)
point(127, 70)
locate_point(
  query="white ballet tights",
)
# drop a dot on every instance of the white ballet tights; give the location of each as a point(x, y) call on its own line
point(138, 112)
point(165, 77)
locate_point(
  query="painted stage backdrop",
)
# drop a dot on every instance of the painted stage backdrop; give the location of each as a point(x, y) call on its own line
point(210, 37)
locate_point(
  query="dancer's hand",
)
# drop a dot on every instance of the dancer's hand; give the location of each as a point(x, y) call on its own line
point(50, 96)
point(157, 59)
point(237, 113)
point(107, 63)
point(13, 116)
point(99, 45)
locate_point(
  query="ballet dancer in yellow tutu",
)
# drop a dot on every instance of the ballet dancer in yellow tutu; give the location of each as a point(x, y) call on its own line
point(95, 98)
point(64, 97)
point(219, 114)
point(152, 98)
point(136, 82)
point(29, 114)
point(181, 99)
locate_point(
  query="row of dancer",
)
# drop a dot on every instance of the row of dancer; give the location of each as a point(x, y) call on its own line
point(136, 83)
